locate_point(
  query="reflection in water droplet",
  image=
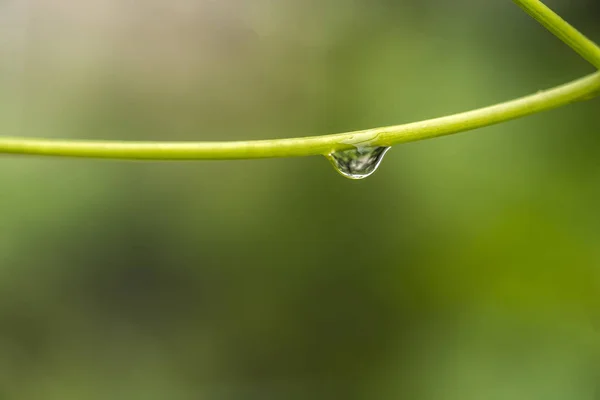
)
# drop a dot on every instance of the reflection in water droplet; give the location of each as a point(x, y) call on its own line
point(357, 163)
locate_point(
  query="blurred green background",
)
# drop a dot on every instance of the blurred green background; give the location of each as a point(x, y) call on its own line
point(467, 267)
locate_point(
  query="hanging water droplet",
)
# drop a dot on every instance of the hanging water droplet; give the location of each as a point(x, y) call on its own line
point(357, 163)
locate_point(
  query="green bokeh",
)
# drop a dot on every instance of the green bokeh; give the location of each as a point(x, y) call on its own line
point(467, 267)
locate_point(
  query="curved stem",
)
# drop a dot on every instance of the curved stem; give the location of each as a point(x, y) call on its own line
point(584, 88)
point(315, 145)
point(562, 30)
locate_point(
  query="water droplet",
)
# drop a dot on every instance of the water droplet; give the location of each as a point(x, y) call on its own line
point(357, 163)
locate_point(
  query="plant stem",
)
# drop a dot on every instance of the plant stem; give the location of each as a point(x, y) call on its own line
point(562, 30)
point(307, 146)
point(580, 89)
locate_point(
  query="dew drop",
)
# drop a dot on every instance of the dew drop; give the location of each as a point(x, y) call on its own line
point(357, 163)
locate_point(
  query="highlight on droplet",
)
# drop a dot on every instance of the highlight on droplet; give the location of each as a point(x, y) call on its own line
point(357, 163)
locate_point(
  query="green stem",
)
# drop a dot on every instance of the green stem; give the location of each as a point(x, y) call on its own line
point(307, 146)
point(581, 89)
point(562, 30)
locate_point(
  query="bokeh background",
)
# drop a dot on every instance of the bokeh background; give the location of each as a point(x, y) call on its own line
point(467, 267)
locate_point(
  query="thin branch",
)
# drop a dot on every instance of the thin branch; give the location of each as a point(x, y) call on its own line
point(307, 146)
point(562, 30)
point(580, 89)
